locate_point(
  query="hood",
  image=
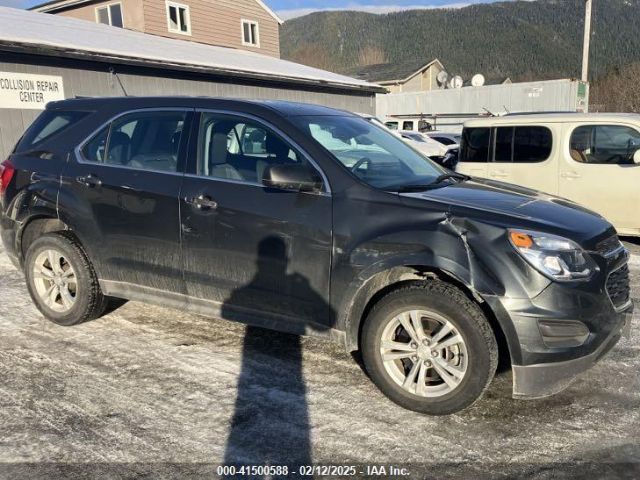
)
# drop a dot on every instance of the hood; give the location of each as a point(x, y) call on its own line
point(518, 207)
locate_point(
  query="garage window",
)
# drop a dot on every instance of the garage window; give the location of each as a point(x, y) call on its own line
point(110, 15)
point(604, 144)
point(250, 33)
point(178, 18)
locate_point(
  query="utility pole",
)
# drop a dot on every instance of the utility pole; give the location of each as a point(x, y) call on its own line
point(587, 38)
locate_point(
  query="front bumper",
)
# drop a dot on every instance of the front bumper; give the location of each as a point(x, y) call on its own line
point(544, 379)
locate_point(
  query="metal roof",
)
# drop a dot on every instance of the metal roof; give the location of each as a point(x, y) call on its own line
point(392, 72)
point(45, 34)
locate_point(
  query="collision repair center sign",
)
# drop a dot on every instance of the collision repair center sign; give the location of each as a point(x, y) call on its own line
point(26, 91)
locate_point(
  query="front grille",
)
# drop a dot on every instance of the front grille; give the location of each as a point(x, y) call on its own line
point(618, 286)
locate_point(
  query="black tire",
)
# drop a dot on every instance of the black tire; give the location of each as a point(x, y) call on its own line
point(452, 304)
point(89, 303)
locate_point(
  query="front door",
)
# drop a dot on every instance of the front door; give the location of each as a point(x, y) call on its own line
point(598, 171)
point(248, 248)
point(120, 195)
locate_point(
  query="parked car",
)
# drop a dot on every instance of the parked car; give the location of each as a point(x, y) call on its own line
point(441, 154)
point(416, 125)
point(591, 159)
point(431, 148)
point(445, 138)
point(311, 220)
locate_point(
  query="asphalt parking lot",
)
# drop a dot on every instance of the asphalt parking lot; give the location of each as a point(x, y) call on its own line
point(148, 392)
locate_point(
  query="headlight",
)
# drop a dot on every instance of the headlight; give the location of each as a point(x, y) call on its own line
point(556, 257)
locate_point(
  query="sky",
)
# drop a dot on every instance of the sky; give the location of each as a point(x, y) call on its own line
point(294, 8)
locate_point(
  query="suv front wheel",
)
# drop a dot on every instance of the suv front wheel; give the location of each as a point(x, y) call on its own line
point(61, 280)
point(429, 348)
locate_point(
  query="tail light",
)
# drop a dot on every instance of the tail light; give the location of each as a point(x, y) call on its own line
point(6, 174)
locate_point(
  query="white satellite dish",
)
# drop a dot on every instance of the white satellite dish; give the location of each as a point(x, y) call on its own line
point(456, 82)
point(442, 78)
point(477, 80)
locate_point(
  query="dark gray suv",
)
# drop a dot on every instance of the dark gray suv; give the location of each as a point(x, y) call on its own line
point(314, 221)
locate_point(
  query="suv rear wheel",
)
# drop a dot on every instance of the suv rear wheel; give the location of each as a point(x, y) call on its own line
point(61, 280)
point(429, 348)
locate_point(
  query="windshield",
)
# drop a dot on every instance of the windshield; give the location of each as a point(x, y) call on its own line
point(372, 153)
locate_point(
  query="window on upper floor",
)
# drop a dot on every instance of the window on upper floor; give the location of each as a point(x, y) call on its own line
point(250, 33)
point(178, 18)
point(110, 15)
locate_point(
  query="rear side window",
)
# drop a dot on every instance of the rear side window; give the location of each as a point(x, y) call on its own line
point(604, 144)
point(522, 144)
point(444, 140)
point(142, 140)
point(49, 124)
point(407, 125)
point(474, 145)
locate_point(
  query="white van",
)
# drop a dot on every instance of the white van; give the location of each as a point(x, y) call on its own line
point(592, 159)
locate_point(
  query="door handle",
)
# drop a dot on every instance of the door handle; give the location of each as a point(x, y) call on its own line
point(569, 175)
point(89, 181)
point(203, 202)
point(499, 174)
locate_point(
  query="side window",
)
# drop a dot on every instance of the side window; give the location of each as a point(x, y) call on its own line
point(233, 148)
point(407, 125)
point(503, 151)
point(95, 150)
point(604, 144)
point(444, 140)
point(391, 125)
point(531, 144)
point(46, 126)
point(522, 144)
point(144, 140)
point(474, 146)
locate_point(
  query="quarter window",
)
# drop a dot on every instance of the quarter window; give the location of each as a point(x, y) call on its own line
point(145, 140)
point(250, 33)
point(110, 15)
point(47, 125)
point(604, 144)
point(178, 18)
point(234, 148)
point(522, 144)
point(474, 145)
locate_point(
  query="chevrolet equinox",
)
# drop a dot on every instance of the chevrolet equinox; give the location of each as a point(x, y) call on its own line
point(311, 220)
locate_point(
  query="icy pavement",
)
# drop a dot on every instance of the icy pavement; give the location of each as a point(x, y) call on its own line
point(149, 392)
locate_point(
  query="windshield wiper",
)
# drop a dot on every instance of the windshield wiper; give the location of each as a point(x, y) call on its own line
point(418, 187)
point(451, 175)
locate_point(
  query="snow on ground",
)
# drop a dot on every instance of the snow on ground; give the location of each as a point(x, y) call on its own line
point(150, 392)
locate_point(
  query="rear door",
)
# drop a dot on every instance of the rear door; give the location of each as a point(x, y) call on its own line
point(249, 248)
point(597, 170)
point(473, 158)
point(120, 194)
point(523, 155)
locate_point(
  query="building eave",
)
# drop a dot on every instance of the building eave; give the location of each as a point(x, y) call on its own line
point(49, 50)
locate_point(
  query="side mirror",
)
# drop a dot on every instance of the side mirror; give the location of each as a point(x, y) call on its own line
point(636, 157)
point(292, 177)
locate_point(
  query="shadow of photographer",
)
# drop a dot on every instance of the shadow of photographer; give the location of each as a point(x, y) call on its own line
point(270, 424)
